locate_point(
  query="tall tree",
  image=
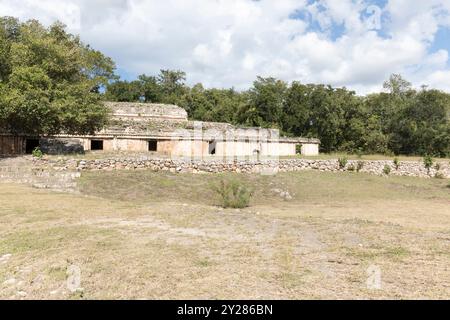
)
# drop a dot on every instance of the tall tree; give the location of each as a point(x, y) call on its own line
point(50, 80)
point(423, 126)
point(397, 85)
point(172, 85)
point(265, 105)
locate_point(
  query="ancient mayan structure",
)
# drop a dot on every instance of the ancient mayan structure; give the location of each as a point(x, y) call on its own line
point(165, 130)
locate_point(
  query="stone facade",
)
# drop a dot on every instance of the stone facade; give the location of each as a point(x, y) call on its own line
point(376, 167)
point(61, 146)
point(166, 130)
point(145, 111)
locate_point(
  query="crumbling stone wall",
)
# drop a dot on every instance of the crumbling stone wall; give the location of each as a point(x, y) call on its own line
point(141, 111)
point(42, 177)
point(61, 146)
point(405, 168)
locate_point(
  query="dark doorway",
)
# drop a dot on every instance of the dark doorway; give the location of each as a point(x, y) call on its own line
point(96, 144)
point(212, 147)
point(152, 145)
point(30, 145)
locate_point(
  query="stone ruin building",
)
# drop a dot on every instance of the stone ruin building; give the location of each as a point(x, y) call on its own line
point(164, 130)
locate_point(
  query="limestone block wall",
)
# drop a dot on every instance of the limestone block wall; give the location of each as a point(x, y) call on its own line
point(232, 149)
point(142, 111)
point(180, 148)
point(130, 145)
point(405, 168)
point(310, 149)
point(286, 149)
point(61, 145)
point(39, 177)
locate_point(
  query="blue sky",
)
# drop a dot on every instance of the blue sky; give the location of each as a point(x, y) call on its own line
point(227, 43)
point(441, 42)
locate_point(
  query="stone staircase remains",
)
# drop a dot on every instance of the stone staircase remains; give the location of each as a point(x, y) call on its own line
point(23, 170)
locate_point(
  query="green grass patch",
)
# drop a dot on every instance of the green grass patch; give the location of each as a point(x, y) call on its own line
point(145, 186)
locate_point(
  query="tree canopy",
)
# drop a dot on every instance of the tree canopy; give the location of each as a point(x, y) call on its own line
point(400, 120)
point(50, 80)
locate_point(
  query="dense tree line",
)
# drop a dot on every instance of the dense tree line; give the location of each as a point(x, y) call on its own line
point(51, 82)
point(400, 120)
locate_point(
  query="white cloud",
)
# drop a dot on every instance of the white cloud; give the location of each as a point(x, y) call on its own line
point(228, 43)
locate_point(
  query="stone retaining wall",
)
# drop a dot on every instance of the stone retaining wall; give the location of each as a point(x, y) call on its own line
point(40, 177)
point(377, 167)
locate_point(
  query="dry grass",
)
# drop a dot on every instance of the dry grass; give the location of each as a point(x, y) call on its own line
point(138, 234)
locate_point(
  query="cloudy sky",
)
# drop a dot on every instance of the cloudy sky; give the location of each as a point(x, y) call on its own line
point(225, 43)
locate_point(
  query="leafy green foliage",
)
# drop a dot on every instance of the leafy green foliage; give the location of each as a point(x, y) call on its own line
point(439, 175)
point(396, 163)
point(342, 162)
point(232, 193)
point(428, 162)
point(49, 80)
point(402, 121)
point(37, 153)
point(387, 169)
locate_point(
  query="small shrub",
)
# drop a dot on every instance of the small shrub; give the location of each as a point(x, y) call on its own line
point(396, 163)
point(37, 153)
point(359, 166)
point(342, 162)
point(437, 166)
point(439, 175)
point(233, 194)
point(387, 169)
point(428, 162)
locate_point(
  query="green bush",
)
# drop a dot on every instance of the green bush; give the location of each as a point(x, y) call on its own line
point(342, 162)
point(387, 169)
point(359, 165)
point(396, 163)
point(232, 193)
point(439, 175)
point(428, 162)
point(37, 153)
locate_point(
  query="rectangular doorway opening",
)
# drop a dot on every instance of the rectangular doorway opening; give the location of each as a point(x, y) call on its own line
point(212, 147)
point(30, 145)
point(96, 144)
point(152, 145)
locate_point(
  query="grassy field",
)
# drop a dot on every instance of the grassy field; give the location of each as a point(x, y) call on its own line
point(139, 234)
